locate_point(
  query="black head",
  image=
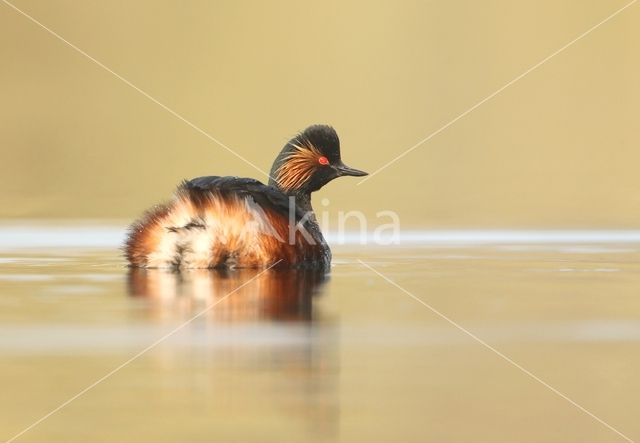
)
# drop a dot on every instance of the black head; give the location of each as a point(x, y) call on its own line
point(309, 161)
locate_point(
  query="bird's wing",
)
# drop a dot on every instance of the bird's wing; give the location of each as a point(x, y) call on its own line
point(263, 195)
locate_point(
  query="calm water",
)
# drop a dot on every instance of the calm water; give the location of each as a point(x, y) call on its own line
point(307, 357)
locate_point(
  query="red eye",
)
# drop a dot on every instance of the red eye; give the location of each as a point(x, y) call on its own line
point(323, 161)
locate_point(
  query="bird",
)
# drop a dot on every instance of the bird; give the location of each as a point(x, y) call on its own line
point(235, 222)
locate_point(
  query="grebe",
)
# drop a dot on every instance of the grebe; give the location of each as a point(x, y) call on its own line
point(228, 222)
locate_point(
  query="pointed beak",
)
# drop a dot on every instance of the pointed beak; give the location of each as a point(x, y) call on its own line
point(343, 169)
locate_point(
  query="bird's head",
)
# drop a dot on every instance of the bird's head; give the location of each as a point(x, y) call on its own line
point(309, 161)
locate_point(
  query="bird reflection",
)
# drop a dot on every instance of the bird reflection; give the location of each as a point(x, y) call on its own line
point(238, 295)
point(289, 357)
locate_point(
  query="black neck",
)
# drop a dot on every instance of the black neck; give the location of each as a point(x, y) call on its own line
point(302, 197)
point(303, 201)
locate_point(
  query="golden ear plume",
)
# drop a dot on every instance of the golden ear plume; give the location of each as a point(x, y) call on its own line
point(298, 166)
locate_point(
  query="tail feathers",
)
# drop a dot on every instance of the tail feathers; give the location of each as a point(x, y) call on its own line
point(193, 245)
point(190, 245)
point(211, 232)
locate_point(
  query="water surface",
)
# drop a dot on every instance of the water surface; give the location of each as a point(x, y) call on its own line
point(301, 356)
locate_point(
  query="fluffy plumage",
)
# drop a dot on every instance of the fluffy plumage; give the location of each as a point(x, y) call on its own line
point(217, 222)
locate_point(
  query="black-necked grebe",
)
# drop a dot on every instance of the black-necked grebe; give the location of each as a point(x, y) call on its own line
point(218, 222)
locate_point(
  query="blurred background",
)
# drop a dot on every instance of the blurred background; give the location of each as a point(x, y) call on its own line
point(559, 148)
point(539, 186)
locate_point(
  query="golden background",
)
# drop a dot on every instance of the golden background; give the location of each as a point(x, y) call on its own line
point(558, 148)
